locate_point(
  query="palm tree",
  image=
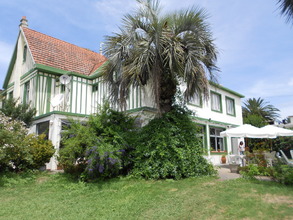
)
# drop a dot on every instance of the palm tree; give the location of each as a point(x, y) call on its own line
point(286, 7)
point(160, 52)
point(259, 107)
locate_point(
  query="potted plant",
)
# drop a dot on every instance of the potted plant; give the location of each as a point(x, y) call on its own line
point(223, 159)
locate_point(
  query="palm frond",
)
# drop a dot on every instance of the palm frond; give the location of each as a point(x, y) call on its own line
point(286, 7)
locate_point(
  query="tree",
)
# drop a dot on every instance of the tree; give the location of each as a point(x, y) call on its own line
point(255, 120)
point(21, 112)
point(160, 52)
point(286, 7)
point(261, 108)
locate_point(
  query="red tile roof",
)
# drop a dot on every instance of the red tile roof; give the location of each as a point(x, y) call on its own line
point(59, 54)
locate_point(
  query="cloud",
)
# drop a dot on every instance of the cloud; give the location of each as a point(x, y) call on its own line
point(268, 88)
point(114, 9)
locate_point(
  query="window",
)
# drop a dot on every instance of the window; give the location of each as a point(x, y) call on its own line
point(95, 87)
point(10, 95)
point(62, 88)
point(230, 106)
point(43, 128)
point(26, 93)
point(216, 141)
point(216, 102)
point(24, 53)
point(196, 100)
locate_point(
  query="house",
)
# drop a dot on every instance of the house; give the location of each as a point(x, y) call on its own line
point(62, 80)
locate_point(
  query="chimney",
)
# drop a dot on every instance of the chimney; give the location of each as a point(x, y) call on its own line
point(23, 22)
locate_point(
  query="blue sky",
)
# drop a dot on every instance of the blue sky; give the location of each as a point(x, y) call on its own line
point(255, 42)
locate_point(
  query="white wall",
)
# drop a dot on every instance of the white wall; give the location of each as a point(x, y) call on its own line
point(206, 111)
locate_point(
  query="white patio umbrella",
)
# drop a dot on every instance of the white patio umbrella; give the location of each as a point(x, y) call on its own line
point(246, 130)
point(276, 131)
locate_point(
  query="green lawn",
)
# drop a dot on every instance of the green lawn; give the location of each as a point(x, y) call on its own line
point(53, 196)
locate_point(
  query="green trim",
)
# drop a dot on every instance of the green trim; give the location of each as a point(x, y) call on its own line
point(218, 153)
point(27, 73)
point(199, 106)
point(80, 97)
point(200, 102)
point(86, 95)
point(228, 98)
point(11, 65)
point(140, 94)
point(60, 113)
point(10, 85)
point(51, 70)
point(56, 71)
point(76, 95)
point(37, 93)
point(226, 89)
point(211, 121)
point(49, 82)
point(25, 91)
point(221, 105)
point(71, 94)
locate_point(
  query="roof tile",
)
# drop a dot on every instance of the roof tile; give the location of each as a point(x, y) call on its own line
point(59, 54)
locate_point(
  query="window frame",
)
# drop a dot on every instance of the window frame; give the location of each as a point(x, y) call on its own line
point(217, 138)
point(44, 131)
point(200, 101)
point(221, 105)
point(234, 109)
point(26, 92)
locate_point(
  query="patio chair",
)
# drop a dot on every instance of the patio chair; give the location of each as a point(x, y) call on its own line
point(282, 156)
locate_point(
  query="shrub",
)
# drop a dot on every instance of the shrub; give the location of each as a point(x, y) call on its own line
point(19, 151)
point(13, 152)
point(257, 158)
point(283, 174)
point(40, 149)
point(22, 112)
point(95, 149)
point(168, 147)
point(252, 170)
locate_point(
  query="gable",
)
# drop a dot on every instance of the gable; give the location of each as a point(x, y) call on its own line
point(20, 63)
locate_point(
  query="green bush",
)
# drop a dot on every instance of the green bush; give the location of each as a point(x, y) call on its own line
point(14, 154)
point(257, 158)
point(96, 149)
point(168, 147)
point(22, 112)
point(19, 151)
point(252, 170)
point(40, 149)
point(283, 174)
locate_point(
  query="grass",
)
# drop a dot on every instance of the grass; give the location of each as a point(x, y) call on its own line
point(55, 196)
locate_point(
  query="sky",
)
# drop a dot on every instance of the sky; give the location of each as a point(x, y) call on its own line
point(254, 41)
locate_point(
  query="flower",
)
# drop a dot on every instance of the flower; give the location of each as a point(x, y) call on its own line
point(101, 168)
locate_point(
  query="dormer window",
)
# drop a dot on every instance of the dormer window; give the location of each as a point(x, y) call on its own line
point(24, 53)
